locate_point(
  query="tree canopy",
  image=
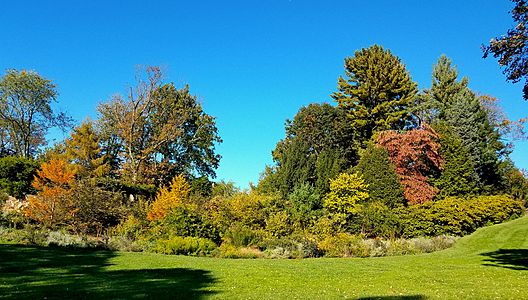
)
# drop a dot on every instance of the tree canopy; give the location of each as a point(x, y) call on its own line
point(158, 131)
point(512, 49)
point(376, 93)
point(26, 113)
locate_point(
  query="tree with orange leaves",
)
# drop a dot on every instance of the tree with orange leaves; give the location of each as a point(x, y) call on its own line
point(416, 155)
point(169, 198)
point(52, 206)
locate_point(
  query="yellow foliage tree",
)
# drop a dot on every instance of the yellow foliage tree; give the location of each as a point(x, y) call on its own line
point(169, 197)
point(52, 205)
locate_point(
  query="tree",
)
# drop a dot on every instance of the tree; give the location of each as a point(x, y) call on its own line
point(26, 113)
point(304, 203)
point(512, 49)
point(445, 87)
point(96, 208)
point(347, 193)
point(380, 175)
point(415, 154)
point(458, 177)
point(475, 120)
point(16, 176)
point(158, 131)
point(376, 93)
point(82, 149)
point(317, 147)
point(169, 197)
point(53, 205)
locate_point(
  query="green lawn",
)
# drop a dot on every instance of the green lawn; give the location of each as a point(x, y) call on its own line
point(491, 263)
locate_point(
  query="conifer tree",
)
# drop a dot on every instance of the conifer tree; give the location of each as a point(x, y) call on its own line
point(376, 93)
point(84, 151)
point(451, 102)
point(380, 175)
point(458, 177)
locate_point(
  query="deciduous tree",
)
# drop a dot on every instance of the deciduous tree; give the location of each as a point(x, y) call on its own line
point(158, 131)
point(169, 197)
point(512, 48)
point(53, 206)
point(416, 156)
point(26, 113)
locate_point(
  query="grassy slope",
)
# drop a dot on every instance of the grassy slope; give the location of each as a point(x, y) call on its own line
point(491, 263)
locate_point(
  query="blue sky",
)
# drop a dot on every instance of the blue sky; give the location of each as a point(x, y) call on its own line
point(252, 64)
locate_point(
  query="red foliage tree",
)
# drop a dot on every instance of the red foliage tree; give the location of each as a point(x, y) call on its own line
point(415, 154)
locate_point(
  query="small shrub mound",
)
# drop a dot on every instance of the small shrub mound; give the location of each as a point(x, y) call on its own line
point(185, 245)
point(348, 245)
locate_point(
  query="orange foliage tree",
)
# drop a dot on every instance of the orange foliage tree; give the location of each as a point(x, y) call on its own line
point(52, 205)
point(415, 154)
point(169, 198)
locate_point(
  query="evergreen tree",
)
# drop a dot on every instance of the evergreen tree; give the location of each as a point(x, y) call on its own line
point(451, 102)
point(317, 147)
point(376, 93)
point(380, 175)
point(458, 176)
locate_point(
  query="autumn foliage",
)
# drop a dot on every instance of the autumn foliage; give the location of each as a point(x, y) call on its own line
point(415, 154)
point(169, 198)
point(52, 205)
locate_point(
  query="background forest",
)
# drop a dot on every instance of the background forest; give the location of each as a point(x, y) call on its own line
point(386, 169)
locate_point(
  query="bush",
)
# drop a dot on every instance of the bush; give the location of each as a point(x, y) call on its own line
point(121, 243)
point(457, 216)
point(230, 251)
point(241, 236)
point(185, 245)
point(347, 245)
point(16, 176)
point(290, 247)
point(343, 245)
point(62, 239)
point(376, 220)
point(96, 209)
point(379, 173)
point(186, 220)
point(131, 228)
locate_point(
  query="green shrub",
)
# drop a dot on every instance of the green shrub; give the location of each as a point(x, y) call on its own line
point(343, 245)
point(130, 228)
point(376, 220)
point(278, 224)
point(379, 174)
point(304, 205)
point(290, 247)
point(241, 236)
point(186, 220)
point(185, 245)
point(457, 216)
point(122, 243)
point(230, 251)
point(16, 175)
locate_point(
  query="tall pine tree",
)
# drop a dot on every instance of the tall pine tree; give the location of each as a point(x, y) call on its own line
point(376, 93)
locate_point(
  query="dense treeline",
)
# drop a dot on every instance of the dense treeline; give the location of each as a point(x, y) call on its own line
point(387, 161)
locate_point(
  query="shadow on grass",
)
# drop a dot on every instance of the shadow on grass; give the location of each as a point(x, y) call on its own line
point(515, 259)
point(405, 297)
point(37, 272)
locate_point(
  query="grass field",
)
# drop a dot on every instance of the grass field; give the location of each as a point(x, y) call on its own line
point(490, 264)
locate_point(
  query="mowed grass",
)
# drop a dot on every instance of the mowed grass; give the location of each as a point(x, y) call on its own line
point(492, 263)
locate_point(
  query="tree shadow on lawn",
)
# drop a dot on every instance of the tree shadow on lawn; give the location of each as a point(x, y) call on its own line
point(56, 273)
point(515, 259)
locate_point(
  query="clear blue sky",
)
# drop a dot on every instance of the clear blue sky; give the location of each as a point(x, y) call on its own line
point(253, 64)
